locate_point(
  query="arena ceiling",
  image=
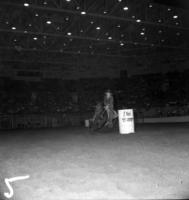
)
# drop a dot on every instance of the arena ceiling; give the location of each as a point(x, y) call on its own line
point(51, 31)
point(176, 3)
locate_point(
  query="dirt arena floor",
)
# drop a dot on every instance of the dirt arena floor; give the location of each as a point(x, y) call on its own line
point(73, 163)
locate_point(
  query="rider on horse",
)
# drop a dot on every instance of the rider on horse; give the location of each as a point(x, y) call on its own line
point(109, 107)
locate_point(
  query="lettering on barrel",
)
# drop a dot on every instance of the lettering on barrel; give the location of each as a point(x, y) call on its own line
point(127, 114)
point(127, 119)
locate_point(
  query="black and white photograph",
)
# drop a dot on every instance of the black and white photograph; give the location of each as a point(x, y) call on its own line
point(94, 99)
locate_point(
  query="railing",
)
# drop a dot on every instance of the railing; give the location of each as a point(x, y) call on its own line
point(30, 121)
point(25, 121)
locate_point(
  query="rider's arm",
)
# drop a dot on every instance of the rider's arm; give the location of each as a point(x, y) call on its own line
point(111, 101)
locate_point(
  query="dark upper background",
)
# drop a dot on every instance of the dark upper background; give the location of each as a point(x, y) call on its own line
point(52, 38)
point(177, 3)
point(44, 40)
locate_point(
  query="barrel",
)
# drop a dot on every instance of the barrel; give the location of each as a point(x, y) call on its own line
point(126, 121)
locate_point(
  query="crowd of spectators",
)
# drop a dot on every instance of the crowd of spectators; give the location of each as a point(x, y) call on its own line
point(150, 95)
point(158, 95)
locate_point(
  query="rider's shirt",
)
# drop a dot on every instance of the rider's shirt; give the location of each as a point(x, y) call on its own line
point(109, 101)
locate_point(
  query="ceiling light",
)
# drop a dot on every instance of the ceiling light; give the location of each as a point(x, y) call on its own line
point(150, 6)
point(109, 38)
point(175, 17)
point(138, 20)
point(121, 44)
point(45, 3)
point(68, 0)
point(118, 26)
point(119, 0)
point(69, 33)
point(98, 28)
point(169, 9)
point(36, 14)
point(48, 22)
point(125, 8)
point(26, 4)
point(92, 22)
point(142, 33)
point(83, 13)
point(13, 28)
point(35, 38)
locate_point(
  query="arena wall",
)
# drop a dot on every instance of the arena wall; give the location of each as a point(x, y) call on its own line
point(41, 120)
point(93, 68)
point(180, 119)
point(67, 120)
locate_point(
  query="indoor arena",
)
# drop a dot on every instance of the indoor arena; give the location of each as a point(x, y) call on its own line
point(94, 99)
